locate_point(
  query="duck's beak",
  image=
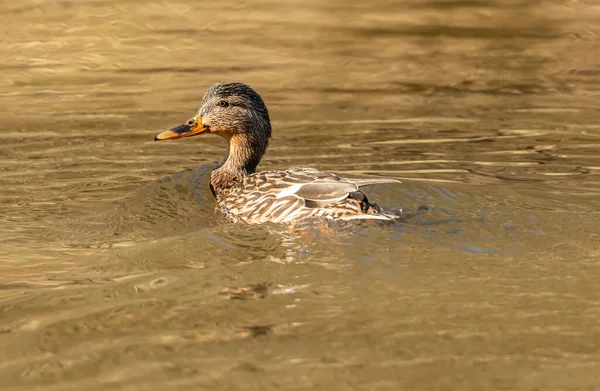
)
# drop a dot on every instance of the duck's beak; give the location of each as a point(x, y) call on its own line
point(191, 128)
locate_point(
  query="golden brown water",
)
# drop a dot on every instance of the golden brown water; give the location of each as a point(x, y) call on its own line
point(116, 274)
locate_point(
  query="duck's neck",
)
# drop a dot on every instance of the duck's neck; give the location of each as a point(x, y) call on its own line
point(243, 155)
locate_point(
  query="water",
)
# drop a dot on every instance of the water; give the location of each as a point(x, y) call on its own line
point(116, 272)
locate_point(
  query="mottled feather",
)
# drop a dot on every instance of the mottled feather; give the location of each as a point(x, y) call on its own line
point(293, 194)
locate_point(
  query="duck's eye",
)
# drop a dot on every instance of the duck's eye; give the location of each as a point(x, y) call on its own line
point(191, 121)
point(223, 103)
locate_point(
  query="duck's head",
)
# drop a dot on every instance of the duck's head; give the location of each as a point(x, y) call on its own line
point(235, 112)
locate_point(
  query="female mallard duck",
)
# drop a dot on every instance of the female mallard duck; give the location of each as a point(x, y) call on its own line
point(237, 113)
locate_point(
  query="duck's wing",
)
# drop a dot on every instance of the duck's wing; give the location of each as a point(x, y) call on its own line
point(320, 193)
point(317, 188)
point(283, 196)
point(370, 181)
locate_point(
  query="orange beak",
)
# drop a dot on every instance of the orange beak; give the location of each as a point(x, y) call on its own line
point(191, 128)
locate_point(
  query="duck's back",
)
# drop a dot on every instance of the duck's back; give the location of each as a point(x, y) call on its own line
point(299, 193)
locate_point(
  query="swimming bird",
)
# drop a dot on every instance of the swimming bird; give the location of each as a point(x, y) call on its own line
point(237, 113)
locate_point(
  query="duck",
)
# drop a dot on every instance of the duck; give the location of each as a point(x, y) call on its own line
point(237, 113)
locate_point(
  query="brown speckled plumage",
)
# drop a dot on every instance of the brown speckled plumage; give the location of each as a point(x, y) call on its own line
point(237, 113)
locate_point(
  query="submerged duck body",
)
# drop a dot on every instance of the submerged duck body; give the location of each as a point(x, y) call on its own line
point(237, 113)
point(295, 194)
